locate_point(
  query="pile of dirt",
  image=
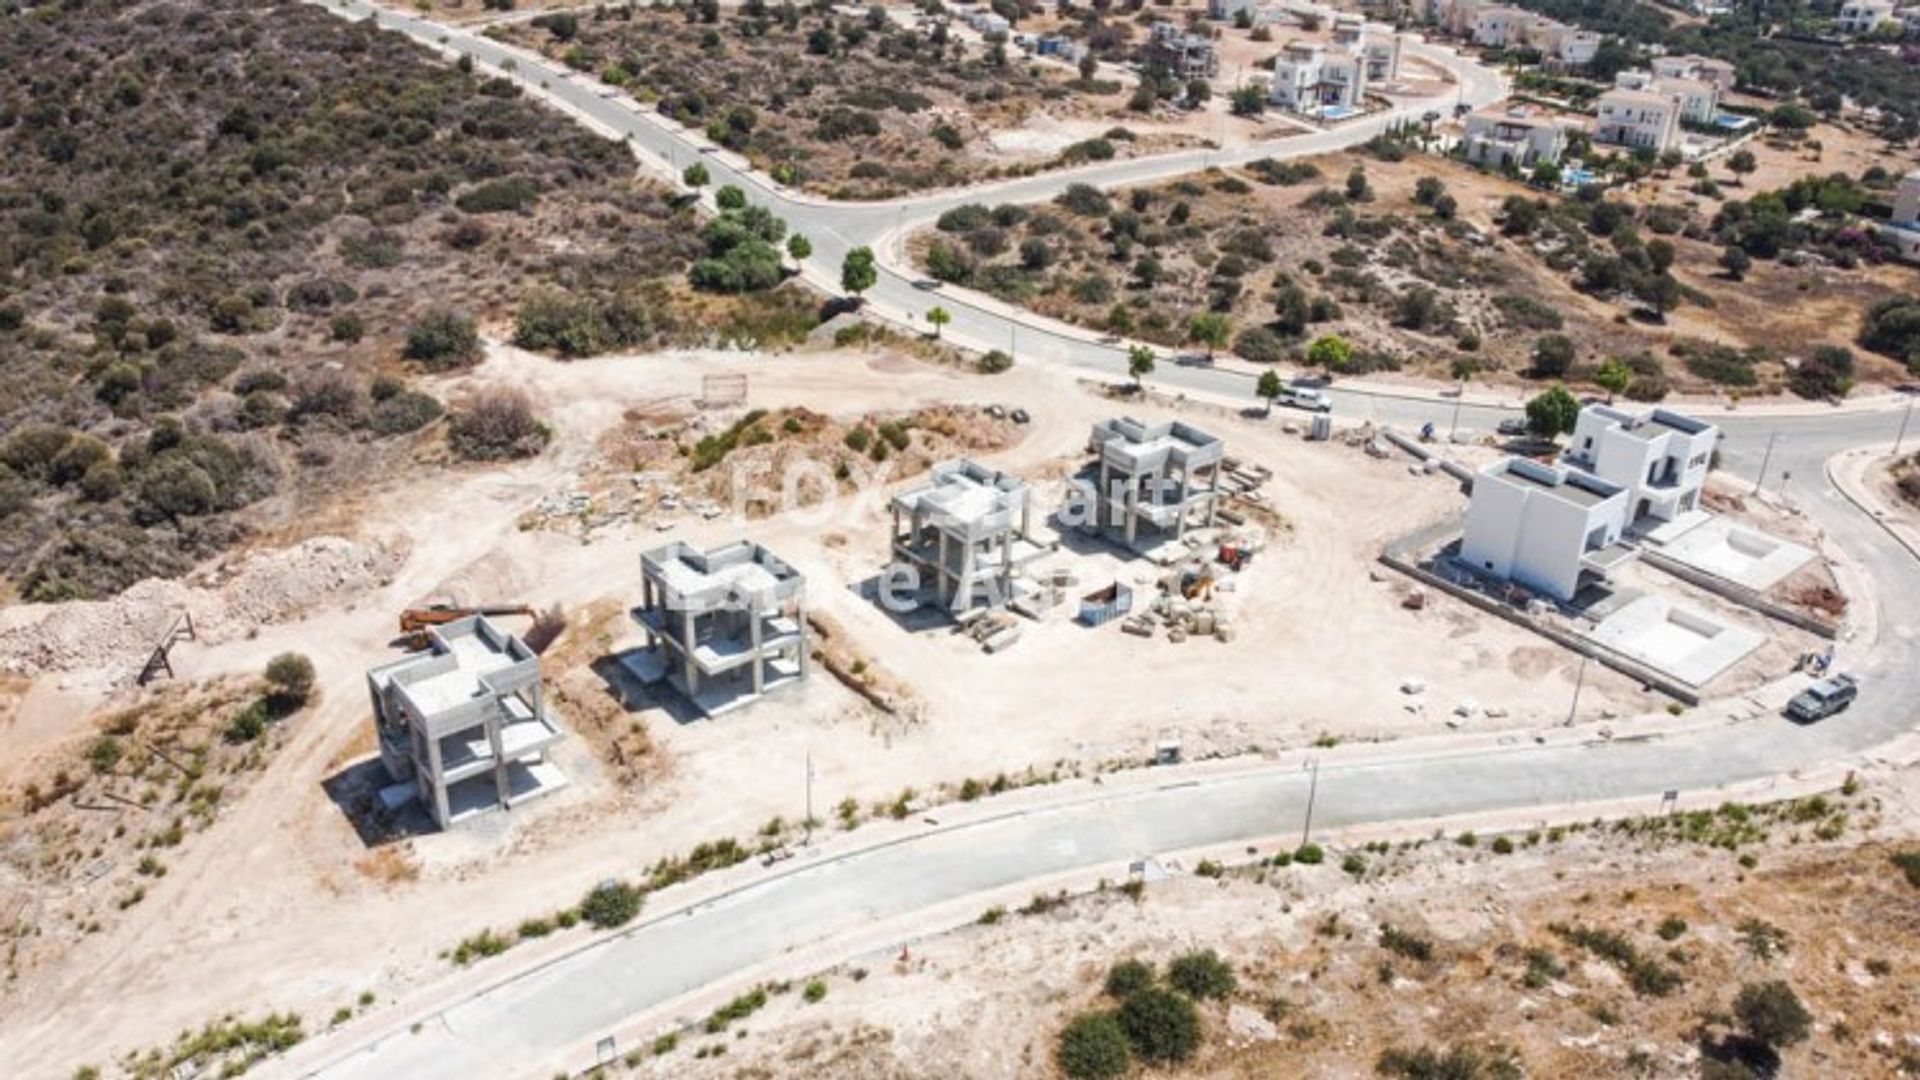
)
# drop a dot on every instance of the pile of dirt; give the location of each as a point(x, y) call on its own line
point(226, 602)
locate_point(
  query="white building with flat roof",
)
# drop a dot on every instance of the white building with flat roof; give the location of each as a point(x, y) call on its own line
point(1863, 16)
point(1512, 135)
point(1310, 78)
point(1549, 528)
point(1659, 457)
point(1638, 119)
point(1716, 73)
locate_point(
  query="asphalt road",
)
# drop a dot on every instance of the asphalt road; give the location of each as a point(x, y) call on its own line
point(520, 1025)
point(835, 228)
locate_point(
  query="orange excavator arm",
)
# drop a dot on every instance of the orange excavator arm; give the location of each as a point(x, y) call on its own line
point(414, 622)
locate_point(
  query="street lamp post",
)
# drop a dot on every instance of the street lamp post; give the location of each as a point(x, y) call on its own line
point(1579, 681)
point(1764, 459)
point(1313, 791)
point(808, 823)
point(1904, 417)
point(1453, 428)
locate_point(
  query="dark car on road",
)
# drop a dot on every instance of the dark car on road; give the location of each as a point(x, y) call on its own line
point(1823, 699)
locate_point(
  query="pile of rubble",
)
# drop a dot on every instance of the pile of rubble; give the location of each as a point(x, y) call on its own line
point(226, 602)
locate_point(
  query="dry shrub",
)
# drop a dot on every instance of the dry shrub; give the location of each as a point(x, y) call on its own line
point(497, 425)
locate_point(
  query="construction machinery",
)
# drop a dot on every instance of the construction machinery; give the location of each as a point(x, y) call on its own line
point(416, 622)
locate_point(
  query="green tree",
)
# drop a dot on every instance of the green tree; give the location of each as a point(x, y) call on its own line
point(1736, 262)
point(695, 175)
point(730, 197)
point(1771, 1013)
point(1553, 356)
point(1614, 377)
point(1553, 412)
point(1162, 1025)
point(1139, 363)
point(1209, 328)
point(1741, 163)
point(1094, 1046)
point(938, 317)
point(800, 248)
point(1248, 100)
point(1269, 387)
point(857, 272)
point(290, 681)
point(1330, 351)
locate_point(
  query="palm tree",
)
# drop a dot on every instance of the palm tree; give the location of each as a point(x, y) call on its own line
point(937, 318)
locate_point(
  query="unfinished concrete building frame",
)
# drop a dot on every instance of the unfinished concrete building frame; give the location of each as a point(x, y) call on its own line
point(1148, 484)
point(726, 625)
point(967, 530)
point(465, 722)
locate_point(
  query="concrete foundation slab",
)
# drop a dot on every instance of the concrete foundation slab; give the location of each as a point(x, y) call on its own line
point(1682, 642)
point(1737, 553)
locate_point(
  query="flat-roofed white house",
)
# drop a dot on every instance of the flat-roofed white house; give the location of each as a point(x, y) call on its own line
point(1309, 78)
point(1863, 16)
point(1659, 457)
point(1699, 99)
point(1550, 528)
point(1638, 119)
point(1716, 73)
point(1516, 135)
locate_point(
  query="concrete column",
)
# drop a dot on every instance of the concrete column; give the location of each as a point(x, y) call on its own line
point(963, 582)
point(800, 616)
point(501, 788)
point(759, 662)
point(1213, 495)
point(942, 581)
point(688, 672)
point(441, 811)
point(1103, 497)
point(1133, 508)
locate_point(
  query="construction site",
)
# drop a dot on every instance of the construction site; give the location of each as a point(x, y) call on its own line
point(1119, 580)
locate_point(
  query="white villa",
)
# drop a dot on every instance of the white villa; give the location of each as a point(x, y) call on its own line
point(1660, 457)
point(1557, 528)
point(1309, 78)
point(1516, 135)
point(1549, 528)
point(1638, 119)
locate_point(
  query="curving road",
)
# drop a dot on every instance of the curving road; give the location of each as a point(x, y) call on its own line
point(528, 1021)
point(979, 322)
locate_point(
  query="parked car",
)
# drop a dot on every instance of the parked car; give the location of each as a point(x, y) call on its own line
point(1513, 427)
point(1823, 699)
point(1305, 397)
point(1019, 416)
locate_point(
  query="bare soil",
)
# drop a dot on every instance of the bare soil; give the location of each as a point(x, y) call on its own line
point(1483, 962)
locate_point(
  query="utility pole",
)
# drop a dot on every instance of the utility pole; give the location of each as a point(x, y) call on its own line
point(1313, 790)
point(1904, 417)
point(1767, 457)
point(809, 819)
point(1579, 681)
point(1454, 427)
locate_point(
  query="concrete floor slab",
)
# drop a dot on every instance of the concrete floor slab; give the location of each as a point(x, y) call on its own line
point(1737, 553)
point(1682, 642)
